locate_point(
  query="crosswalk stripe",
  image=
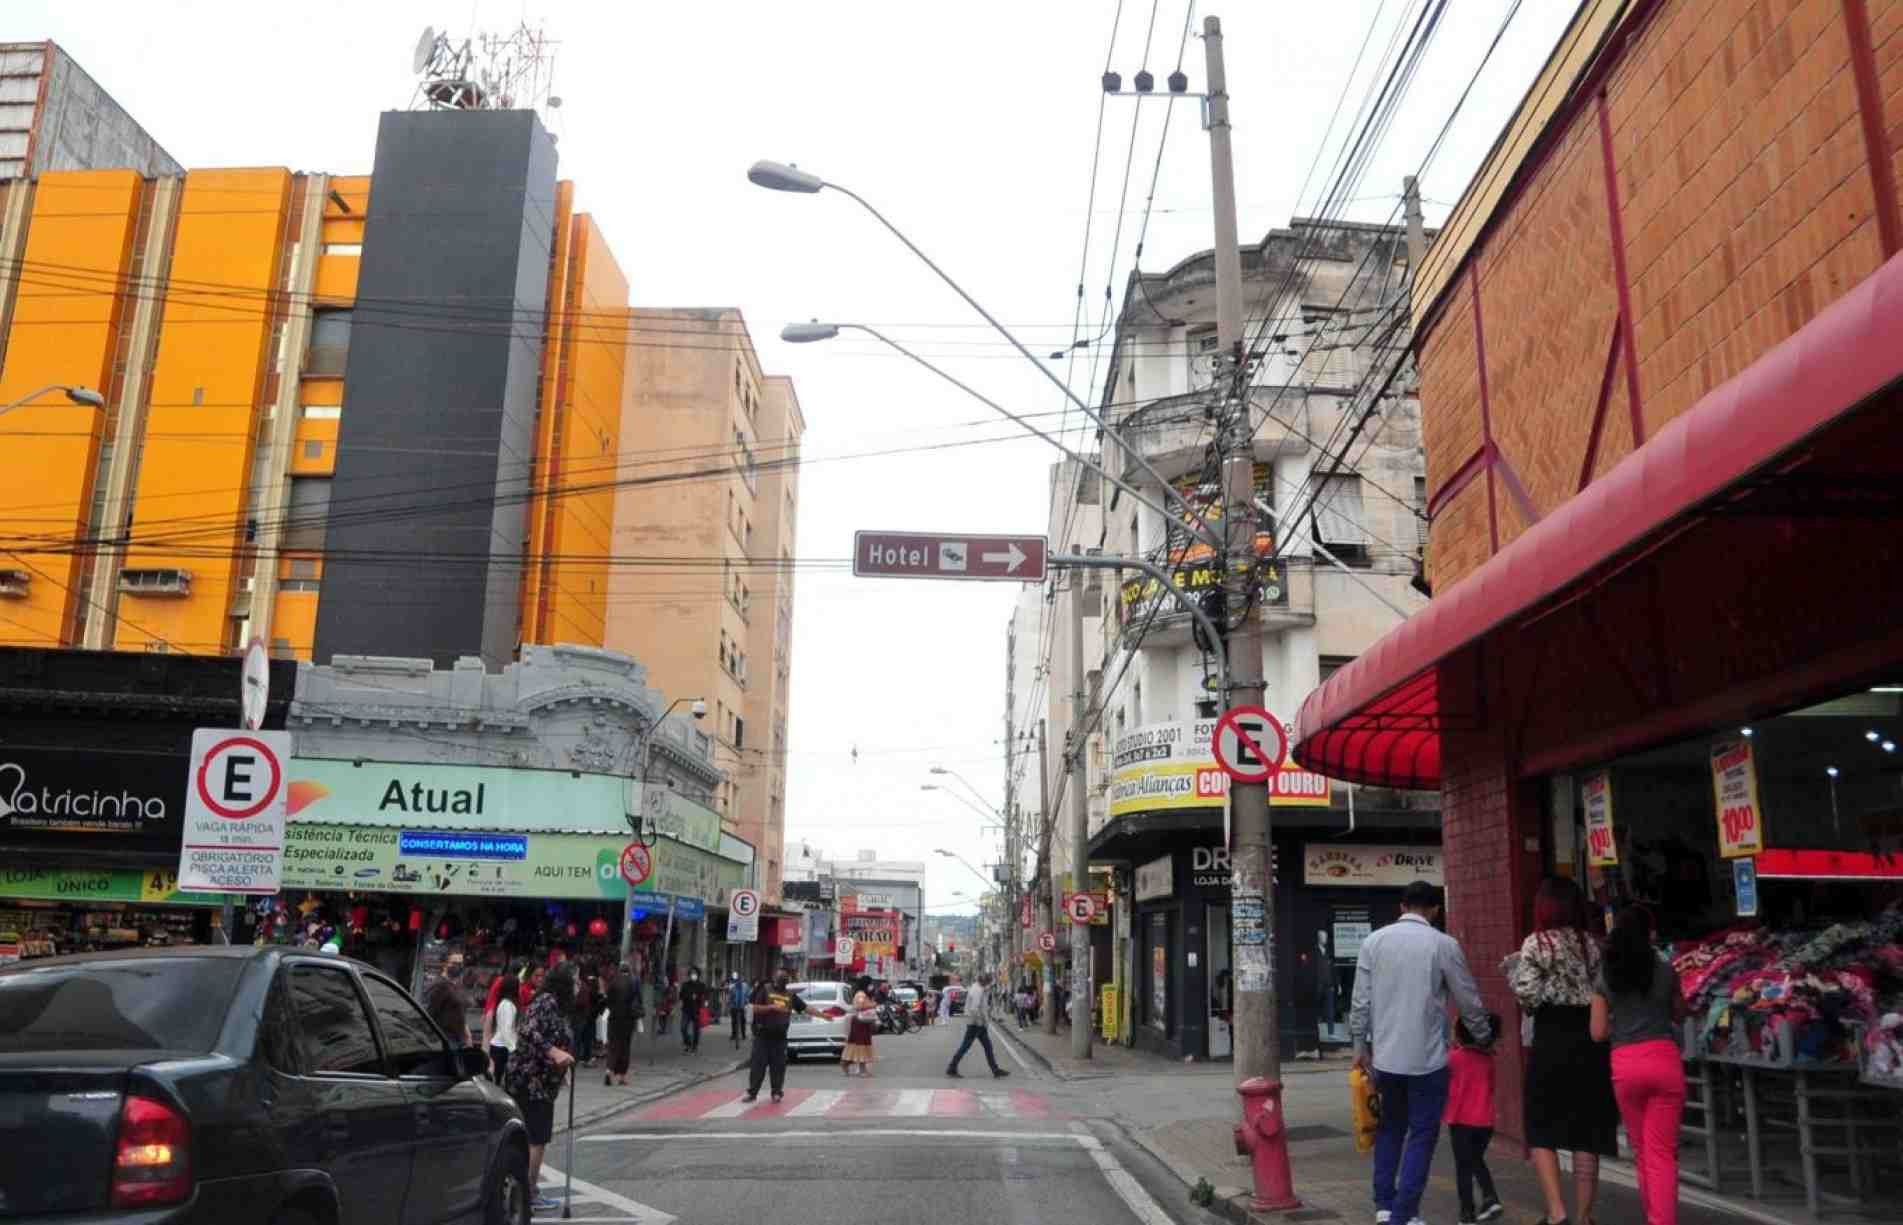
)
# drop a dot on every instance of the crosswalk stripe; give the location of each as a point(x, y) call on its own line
point(913, 1102)
point(820, 1102)
point(733, 1108)
point(997, 1103)
point(954, 1103)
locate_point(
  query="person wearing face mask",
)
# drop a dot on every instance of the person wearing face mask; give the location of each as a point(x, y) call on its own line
point(693, 1000)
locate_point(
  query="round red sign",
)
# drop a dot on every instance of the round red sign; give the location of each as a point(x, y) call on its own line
point(240, 757)
point(636, 863)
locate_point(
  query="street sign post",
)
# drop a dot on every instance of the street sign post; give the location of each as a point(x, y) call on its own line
point(1249, 744)
point(254, 685)
point(234, 812)
point(1016, 559)
point(743, 916)
point(842, 951)
point(1081, 907)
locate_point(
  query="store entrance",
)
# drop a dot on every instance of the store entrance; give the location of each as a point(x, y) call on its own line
point(1221, 981)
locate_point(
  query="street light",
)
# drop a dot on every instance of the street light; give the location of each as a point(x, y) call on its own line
point(643, 826)
point(84, 396)
point(967, 783)
point(810, 333)
point(778, 176)
point(989, 883)
point(983, 812)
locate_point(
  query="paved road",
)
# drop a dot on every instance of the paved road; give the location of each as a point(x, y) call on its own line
point(907, 1144)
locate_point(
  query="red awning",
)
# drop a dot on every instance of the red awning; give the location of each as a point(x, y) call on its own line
point(1379, 720)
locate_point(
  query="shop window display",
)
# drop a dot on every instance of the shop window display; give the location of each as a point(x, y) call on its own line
point(1771, 856)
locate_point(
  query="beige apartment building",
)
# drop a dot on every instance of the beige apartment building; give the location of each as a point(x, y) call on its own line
point(702, 592)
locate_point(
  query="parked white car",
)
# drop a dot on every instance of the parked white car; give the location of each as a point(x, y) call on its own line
point(821, 1029)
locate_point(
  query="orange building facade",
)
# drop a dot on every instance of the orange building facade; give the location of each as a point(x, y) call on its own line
point(213, 311)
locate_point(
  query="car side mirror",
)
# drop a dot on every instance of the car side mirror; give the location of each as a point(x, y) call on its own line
point(472, 1062)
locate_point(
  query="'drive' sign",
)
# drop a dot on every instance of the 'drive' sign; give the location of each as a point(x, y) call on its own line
point(234, 812)
point(1018, 559)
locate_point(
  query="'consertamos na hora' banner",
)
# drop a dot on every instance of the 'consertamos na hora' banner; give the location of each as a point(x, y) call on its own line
point(1167, 767)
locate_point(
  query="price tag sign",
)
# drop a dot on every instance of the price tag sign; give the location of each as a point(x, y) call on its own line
point(1602, 848)
point(1734, 783)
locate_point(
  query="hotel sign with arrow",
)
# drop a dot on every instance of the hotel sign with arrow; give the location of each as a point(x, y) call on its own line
point(1018, 559)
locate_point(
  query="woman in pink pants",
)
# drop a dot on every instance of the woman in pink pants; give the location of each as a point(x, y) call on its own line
point(1637, 1006)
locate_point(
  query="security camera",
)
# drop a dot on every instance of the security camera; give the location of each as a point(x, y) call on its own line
point(699, 708)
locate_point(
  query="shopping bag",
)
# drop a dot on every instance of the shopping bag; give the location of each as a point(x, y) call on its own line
point(1365, 1105)
point(706, 1016)
point(601, 1028)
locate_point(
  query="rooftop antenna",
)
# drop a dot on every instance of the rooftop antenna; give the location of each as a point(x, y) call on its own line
point(488, 72)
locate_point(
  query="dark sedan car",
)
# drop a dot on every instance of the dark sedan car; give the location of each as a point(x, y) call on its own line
point(221, 1085)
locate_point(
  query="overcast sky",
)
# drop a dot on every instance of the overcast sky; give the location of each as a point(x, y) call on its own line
point(971, 126)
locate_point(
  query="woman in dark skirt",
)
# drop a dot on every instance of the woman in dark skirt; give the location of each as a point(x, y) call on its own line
point(1569, 1103)
point(624, 1008)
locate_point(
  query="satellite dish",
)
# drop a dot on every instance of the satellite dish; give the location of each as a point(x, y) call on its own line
point(425, 50)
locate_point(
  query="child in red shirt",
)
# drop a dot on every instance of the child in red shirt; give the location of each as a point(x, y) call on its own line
point(1469, 1119)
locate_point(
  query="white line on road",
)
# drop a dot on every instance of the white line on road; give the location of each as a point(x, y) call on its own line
point(1124, 1183)
point(730, 1109)
point(997, 1103)
point(925, 1133)
point(821, 1101)
point(1010, 1046)
point(553, 1181)
point(913, 1102)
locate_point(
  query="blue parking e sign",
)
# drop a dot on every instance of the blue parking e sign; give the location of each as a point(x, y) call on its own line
point(1744, 881)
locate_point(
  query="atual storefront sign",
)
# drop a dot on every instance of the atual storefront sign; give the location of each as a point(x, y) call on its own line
point(1168, 767)
point(1602, 848)
point(319, 855)
point(153, 886)
point(1375, 867)
point(92, 797)
point(1734, 784)
point(409, 795)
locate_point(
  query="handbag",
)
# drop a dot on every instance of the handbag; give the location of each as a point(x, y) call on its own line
point(706, 1016)
point(601, 1028)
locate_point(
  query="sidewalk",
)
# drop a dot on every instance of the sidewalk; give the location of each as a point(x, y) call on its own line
point(1184, 1115)
point(656, 1070)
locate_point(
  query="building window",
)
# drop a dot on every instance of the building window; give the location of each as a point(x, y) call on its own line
point(308, 515)
point(322, 412)
point(1338, 523)
point(343, 248)
point(749, 470)
point(1331, 664)
point(1420, 512)
point(739, 732)
point(330, 344)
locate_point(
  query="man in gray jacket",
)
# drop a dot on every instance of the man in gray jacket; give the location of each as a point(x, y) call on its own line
point(1403, 978)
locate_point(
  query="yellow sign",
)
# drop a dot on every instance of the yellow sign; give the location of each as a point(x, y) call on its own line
point(1602, 849)
point(1734, 784)
point(1176, 787)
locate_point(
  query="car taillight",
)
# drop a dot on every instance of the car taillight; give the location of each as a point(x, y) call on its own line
point(153, 1163)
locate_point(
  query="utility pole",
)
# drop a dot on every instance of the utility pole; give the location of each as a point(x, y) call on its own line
point(1251, 893)
point(1046, 905)
point(1079, 822)
point(1416, 224)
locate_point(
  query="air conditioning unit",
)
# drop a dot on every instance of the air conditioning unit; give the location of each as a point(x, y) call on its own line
point(13, 584)
point(155, 582)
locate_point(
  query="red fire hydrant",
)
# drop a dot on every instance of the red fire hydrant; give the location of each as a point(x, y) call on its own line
point(1262, 1136)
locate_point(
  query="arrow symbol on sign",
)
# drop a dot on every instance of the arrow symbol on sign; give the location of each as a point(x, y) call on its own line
point(1012, 557)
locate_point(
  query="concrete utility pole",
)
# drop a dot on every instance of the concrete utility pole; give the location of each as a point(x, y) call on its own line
point(1416, 224)
point(1046, 906)
point(1079, 823)
point(1251, 893)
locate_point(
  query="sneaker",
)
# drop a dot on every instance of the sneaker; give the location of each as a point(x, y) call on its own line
point(1416, 1221)
point(953, 1073)
point(1383, 1217)
point(1489, 1211)
point(999, 1072)
point(779, 1097)
point(751, 1097)
point(544, 1203)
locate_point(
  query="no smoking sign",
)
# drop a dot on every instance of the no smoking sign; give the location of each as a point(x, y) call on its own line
point(234, 812)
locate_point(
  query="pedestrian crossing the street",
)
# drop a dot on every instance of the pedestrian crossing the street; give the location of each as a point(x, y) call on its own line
point(715, 1105)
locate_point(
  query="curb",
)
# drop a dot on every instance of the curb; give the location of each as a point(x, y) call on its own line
point(1036, 1056)
point(585, 1121)
point(1230, 1202)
